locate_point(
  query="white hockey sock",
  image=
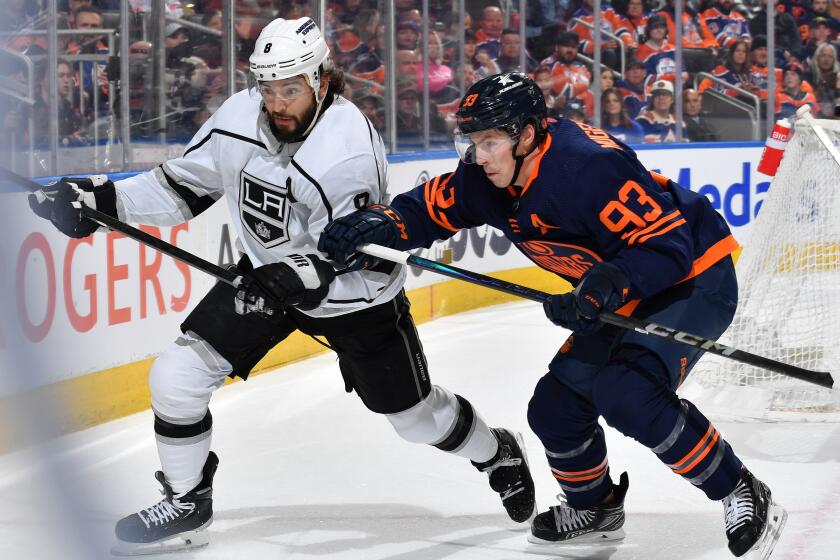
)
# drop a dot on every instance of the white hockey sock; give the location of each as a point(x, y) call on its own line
point(481, 445)
point(182, 463)
point(448, 422)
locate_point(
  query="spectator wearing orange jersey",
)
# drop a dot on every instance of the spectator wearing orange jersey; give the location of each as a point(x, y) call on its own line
point(792, 95)
point(489, 34)
point(371, 66)
point(92, 73)
point(610, 22)
point(726, 24)
point(658, 54)
point(634, 21)
point(571, 78)
point(656, 38)
point(695, 32)
point(758, 66)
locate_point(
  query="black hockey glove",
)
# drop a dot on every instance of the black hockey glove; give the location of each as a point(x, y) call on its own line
point(65, 211)
point(603, 288)
point(375, 224)
point(296, 280)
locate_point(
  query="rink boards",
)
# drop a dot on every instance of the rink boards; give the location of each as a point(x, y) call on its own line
point(86, 317)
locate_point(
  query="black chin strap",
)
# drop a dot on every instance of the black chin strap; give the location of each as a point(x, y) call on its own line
point(520, 160)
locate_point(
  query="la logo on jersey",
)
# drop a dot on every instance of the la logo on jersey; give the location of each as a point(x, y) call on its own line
point(264, 209)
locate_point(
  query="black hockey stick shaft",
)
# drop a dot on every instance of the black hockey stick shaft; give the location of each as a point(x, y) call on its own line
point(821, 378)
point(220, 273)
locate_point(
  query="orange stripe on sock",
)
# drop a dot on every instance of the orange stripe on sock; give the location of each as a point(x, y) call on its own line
point(711, 434)
point(581, 476)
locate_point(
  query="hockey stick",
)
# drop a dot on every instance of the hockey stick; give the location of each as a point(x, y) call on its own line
point(804, 113)
point(220, 273)
point(821, 378)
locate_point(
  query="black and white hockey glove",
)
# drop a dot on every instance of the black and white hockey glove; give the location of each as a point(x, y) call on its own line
point(61, 203)
point(41, 201)
point(301, 281)
point(375, 224)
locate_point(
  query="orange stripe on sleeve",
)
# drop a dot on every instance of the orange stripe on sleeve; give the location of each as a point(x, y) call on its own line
point(635, 234)
point(662, 231)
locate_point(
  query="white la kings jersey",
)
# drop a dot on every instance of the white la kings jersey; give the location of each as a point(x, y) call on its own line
point(280, 196)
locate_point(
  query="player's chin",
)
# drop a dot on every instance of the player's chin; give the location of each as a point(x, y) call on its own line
point(497, 180)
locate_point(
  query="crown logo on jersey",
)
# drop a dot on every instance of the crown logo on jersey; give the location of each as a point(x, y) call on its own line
point(262, 230)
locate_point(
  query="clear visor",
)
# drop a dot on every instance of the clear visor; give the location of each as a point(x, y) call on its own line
point(486, 145)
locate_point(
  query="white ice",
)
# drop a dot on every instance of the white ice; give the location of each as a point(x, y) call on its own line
point(307, 473)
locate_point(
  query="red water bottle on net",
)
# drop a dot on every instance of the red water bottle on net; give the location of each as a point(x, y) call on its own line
point(774, 148)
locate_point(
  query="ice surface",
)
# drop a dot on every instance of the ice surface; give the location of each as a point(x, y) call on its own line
point(306, 472)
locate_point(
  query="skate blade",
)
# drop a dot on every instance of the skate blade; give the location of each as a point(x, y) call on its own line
point(776, 519)
point(185, 541)
point(535, 511)
point(596, 537)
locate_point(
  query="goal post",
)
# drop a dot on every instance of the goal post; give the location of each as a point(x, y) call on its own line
point(789, 294)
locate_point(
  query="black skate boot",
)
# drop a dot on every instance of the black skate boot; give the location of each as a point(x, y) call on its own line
point(510, 477)
point(175, 523)
point(753, 521)
point(566, 525)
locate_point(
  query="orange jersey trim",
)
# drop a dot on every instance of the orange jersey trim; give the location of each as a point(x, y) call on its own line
point(712, 256)
point(536, 170)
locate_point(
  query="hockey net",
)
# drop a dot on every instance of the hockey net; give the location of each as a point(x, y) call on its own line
point(789, 295)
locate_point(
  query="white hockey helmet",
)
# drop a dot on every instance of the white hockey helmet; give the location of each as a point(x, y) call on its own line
point(287, 48)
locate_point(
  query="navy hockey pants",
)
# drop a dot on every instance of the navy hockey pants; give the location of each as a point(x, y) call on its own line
point(630, 380)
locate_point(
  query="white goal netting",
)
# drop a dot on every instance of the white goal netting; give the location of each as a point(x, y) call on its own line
point(789, 295)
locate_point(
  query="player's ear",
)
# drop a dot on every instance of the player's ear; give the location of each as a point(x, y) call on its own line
point(528, 137)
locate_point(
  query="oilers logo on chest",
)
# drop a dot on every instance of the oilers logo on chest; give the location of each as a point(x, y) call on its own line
point(264, 210)
point(567, 260)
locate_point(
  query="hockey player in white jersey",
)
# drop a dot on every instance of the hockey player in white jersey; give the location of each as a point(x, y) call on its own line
point(291, 155)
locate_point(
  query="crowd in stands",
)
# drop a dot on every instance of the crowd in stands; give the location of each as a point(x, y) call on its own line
point(726, 39)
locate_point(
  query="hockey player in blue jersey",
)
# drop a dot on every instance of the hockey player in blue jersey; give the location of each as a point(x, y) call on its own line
point(578, 202)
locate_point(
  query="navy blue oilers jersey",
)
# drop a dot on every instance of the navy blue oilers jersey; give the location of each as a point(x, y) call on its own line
point(588, 199)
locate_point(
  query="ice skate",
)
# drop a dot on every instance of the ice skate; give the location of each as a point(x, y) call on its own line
point(175, 523)
point(753, 521)
point(565, 525)
point(510, 477)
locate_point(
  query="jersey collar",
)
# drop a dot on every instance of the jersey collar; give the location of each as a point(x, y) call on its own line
point(536, 170)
